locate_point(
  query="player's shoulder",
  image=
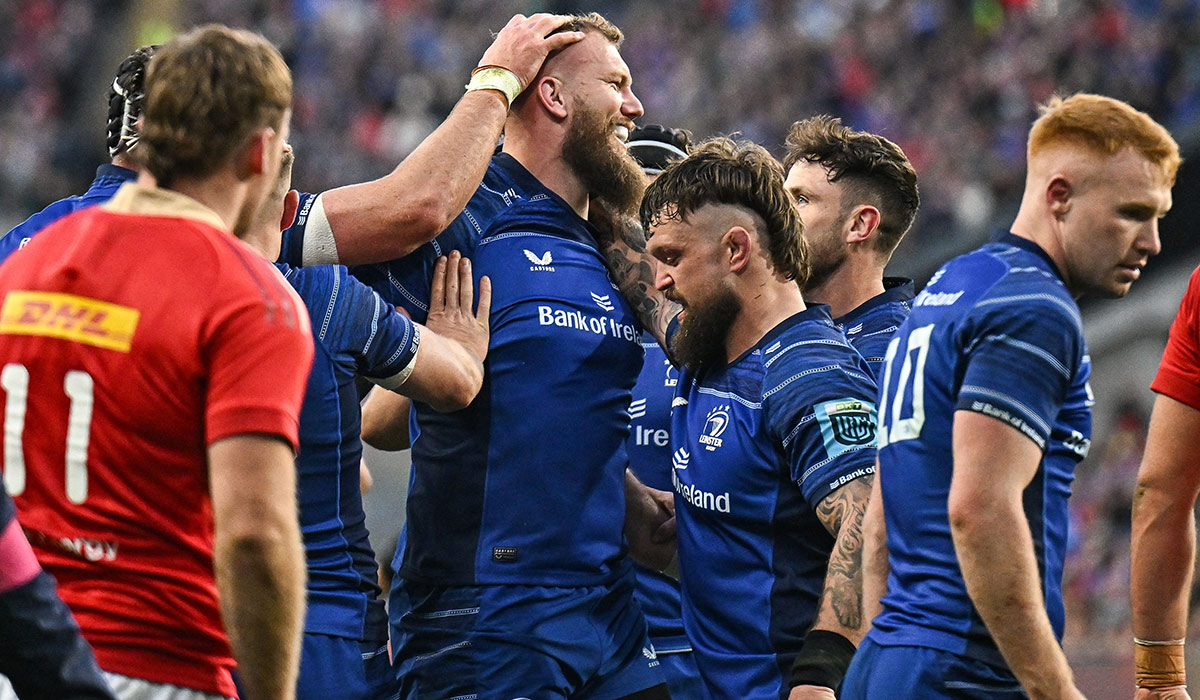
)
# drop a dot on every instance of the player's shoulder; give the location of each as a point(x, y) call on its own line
point(1030, 292)
point(44, 218)
point(1006, 280)
point(51, 234)
point(808, 354)
point(1193, 288)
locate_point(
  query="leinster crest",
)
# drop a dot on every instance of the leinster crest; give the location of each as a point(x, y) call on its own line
point(714, 425)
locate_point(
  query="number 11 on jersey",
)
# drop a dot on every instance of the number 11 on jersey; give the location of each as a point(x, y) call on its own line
point(79, 387)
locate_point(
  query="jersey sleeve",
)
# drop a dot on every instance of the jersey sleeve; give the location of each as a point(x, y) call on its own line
point(821, 411)
point(1179, 371)
point(309, 240)
point(258, 352)
point(383, 342)
point(1019, 362)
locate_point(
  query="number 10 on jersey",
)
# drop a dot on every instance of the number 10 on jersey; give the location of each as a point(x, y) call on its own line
point(893, 428)
point(79, 388)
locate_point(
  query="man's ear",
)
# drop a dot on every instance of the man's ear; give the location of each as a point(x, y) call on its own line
point(253, 158)
point(291, 204)
point(738, 244)
point(1058, 196)
point(863, 224)
point(551, 97)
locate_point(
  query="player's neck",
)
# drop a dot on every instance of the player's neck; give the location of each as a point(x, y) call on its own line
point(543, 159)
point(764, 307)
point(263, 241)
point(849, 287)
point(1033, 225)
point(222, 193)
point(122, 160)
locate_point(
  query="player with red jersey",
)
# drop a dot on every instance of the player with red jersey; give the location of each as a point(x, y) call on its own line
point(150, 423)
point(1164, 520)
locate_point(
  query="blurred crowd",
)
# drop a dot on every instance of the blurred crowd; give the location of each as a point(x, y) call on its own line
point(954, 82)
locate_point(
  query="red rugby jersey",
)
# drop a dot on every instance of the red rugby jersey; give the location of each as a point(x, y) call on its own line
point(132, 335)
point(1179, 372)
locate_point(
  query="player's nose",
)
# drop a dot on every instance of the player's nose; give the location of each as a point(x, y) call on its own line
point(1148, 240)
point(662, 280)
point(631, 106)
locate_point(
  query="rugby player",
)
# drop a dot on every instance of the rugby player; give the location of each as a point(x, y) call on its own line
point(985, 410)
point(654, 148)
point(771, 431)
point(1164, 521)
point(513, 558)
point(344, 652)
point(125, 97)
point(857, 195)
point(150, 425)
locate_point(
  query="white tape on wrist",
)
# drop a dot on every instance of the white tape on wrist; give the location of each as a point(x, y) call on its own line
point(396, 380)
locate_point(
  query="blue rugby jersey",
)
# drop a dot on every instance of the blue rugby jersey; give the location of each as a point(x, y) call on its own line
point(355, 332)
point(870, 326)
point(406, 281)
point(649, 448)
point(757, 445)
point(526, 485)
point(997, 332)
point(109, 179)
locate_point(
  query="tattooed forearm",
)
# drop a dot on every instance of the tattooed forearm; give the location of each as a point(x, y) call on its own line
point(633, 274)
point(624, 247)
point(842, 600)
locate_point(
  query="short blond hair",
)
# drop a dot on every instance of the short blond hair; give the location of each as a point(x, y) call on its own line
point(1105, 125)
point(593, 22)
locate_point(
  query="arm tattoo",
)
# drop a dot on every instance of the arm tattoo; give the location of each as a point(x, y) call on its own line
point(624, 247)
point(842, 515)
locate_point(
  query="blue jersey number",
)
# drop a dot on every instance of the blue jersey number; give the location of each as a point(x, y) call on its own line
point(899, 429)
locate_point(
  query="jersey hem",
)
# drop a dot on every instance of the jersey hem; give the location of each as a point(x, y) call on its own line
point(152, 665)
point(917, 636)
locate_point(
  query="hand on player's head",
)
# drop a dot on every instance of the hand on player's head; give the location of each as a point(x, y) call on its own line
point(450, 304)
point(524, 43)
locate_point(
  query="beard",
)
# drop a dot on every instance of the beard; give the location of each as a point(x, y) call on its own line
point(824, 259)
point(607, 172)
point(700, 340)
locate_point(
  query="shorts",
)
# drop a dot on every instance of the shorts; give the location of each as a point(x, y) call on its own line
point(126, 688)
point(922, 673)
point(683, 680)
point(511, 641)
point(337, 668)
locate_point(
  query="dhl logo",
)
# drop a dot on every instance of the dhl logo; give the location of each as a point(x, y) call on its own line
point(70, 317)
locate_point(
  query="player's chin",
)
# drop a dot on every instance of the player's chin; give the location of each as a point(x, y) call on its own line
point(1113, 288)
